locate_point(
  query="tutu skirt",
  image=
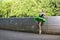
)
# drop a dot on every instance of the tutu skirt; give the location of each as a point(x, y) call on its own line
point(40, 19)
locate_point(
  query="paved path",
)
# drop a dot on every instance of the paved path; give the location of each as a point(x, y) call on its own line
point(11, 35)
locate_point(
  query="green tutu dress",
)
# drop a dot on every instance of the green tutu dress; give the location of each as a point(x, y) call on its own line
point(39, 19)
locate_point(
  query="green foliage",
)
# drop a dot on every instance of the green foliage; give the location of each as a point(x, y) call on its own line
point(28, 8)
point(57, 7)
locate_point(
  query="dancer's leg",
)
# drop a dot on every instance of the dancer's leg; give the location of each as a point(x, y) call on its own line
point(40, 29)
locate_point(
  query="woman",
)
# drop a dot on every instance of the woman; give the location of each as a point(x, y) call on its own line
point(41, 20)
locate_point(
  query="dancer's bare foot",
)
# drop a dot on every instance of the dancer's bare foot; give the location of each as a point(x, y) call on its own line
point(40, 31)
